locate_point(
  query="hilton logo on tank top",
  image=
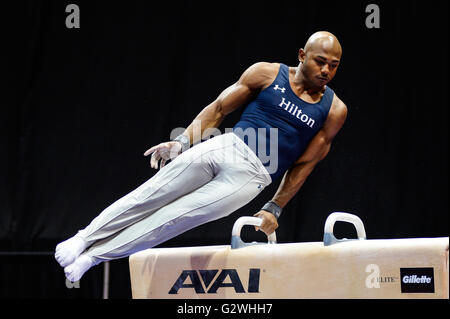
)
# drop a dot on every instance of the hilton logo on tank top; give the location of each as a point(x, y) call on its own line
point(294, 110)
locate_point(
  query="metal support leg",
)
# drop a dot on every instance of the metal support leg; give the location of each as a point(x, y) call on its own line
point(106, 280)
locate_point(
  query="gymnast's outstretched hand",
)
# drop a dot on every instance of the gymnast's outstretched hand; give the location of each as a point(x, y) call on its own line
point(164, 152)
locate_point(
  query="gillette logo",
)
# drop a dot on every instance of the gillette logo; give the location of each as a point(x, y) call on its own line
point(417, 280)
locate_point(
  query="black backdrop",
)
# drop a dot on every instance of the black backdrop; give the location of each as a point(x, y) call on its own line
point(80, 106)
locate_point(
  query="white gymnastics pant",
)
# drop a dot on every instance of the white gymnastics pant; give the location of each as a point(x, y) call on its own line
point(207, 182)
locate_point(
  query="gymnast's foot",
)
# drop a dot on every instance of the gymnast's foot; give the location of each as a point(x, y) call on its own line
point(68, 251)
point(76, 270)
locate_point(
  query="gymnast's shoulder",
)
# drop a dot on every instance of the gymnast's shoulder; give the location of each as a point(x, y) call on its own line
point(338, 111)
point(260, 73)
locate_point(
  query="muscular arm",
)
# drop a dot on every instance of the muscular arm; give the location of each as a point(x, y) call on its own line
point(296, 176)
point(250, 83)
point(316, 151)
point(238, 94)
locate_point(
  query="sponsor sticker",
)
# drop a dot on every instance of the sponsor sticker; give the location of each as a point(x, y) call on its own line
point(417, 280)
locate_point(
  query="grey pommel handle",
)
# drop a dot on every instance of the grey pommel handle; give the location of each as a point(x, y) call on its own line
point(236, 241)
point(328, 236)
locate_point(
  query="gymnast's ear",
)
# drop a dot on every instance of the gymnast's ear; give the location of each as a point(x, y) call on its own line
point(301, 55)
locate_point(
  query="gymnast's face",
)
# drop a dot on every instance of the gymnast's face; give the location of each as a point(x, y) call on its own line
point(320, 61)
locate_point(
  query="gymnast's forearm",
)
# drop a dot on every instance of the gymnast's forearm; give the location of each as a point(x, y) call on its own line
point(295, 177)
point(292, 182)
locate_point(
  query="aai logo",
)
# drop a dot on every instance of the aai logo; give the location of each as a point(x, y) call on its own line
point(207, 281)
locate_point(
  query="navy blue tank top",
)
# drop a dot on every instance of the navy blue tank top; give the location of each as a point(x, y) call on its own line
point(278, 125)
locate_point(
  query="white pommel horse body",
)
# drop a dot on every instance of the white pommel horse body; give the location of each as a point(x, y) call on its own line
point(332, 269)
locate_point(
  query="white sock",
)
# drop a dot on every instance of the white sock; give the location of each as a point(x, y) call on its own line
point(76, 270)
point(67, 251)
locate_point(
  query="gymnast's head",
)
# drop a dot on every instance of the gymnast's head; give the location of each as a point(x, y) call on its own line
point(320, 58)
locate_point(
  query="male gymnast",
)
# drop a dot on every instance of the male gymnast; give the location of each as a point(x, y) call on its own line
point(289, 111)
